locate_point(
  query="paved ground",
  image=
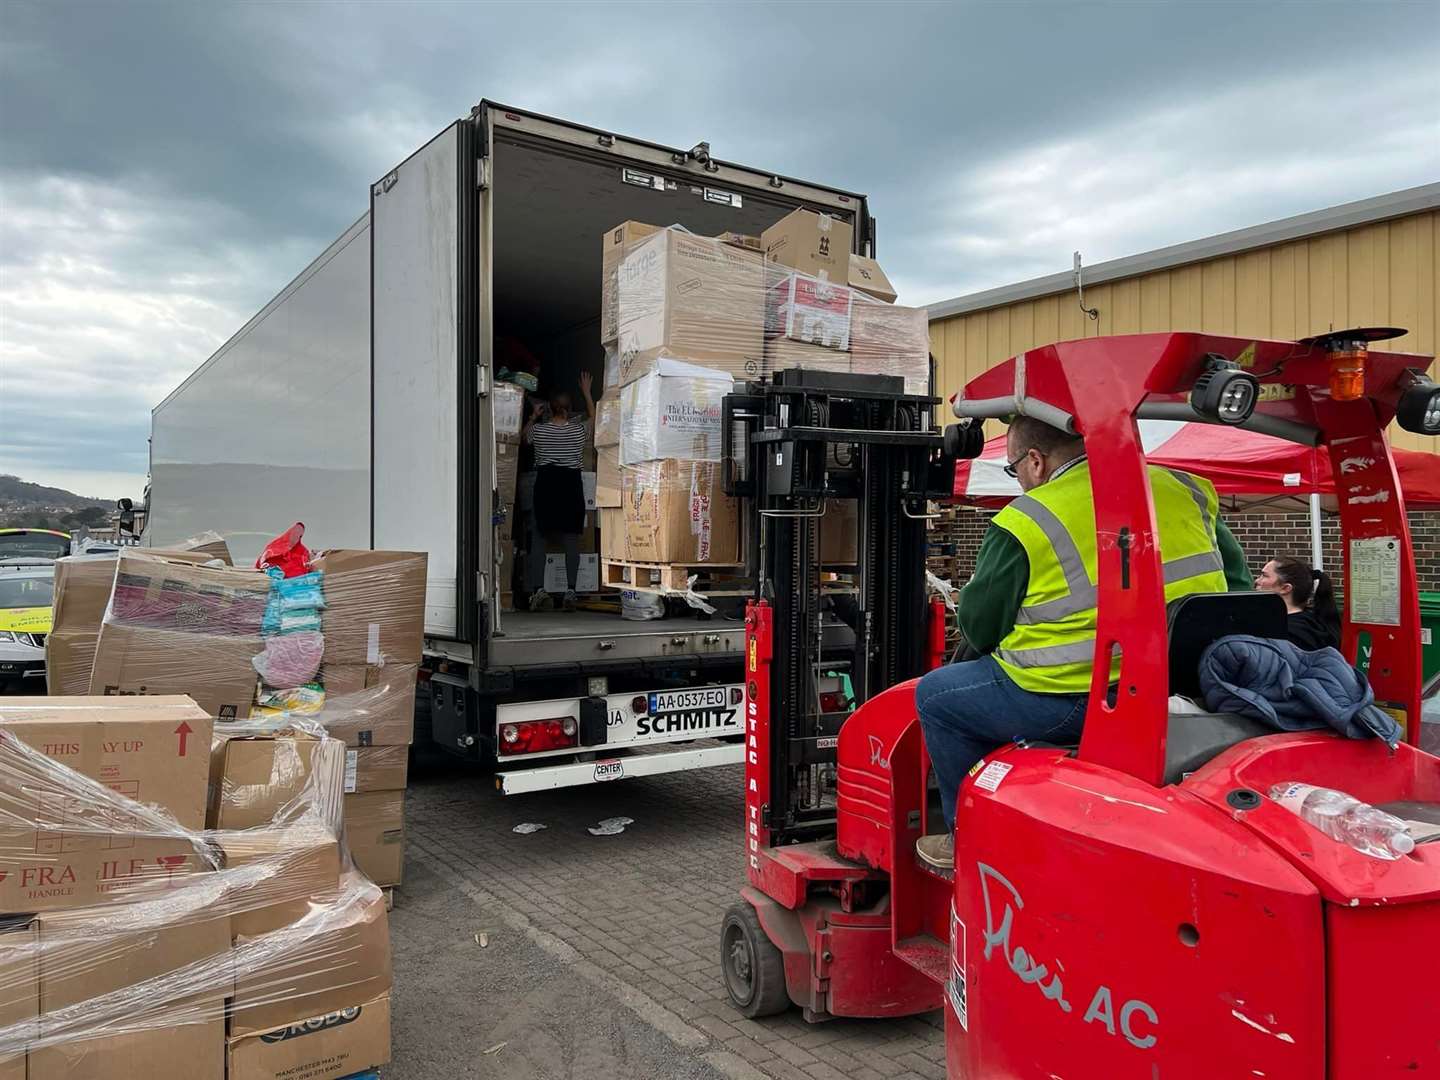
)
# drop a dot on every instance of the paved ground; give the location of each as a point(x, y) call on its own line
point(602, 960)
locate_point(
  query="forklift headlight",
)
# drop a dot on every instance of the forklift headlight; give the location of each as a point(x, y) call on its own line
point(1224, 392)
point(1419, 408)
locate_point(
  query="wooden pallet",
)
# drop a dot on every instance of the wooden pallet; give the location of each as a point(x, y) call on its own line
point(669, 578)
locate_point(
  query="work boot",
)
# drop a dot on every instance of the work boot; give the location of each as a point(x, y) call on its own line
point(540, 600)
point(571, 600)
point(937, 850)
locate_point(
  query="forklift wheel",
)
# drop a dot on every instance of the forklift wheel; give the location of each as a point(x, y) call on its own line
point(754, 969)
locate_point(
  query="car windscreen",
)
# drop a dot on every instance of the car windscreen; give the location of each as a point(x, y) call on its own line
point(25, 592)
point(33, 544)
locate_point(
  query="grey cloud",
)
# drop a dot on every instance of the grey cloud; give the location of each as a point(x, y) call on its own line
point(219, 147)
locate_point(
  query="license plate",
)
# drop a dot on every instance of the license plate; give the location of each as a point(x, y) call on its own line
point(707, 710)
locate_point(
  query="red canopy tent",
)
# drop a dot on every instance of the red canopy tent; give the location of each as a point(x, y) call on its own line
point(1247, 469)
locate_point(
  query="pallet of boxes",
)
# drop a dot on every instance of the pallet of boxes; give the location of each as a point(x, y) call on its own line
point(684, 320)
point(338, 645)
point(178, 900)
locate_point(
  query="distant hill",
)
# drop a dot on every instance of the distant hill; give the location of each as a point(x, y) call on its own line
point(37, 506)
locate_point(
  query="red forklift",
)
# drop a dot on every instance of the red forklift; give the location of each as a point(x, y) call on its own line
point(1136, 905)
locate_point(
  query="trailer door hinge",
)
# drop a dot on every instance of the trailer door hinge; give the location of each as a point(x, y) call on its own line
point(482, 173)
point(482, 380)
point(724, 198)
point(642, 179)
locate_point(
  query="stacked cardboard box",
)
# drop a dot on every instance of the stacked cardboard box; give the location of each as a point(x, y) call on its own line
point(830, 310)
point(172, 626)
point(141, 945)
point(692, 315)
point(374, 631)
point(691, 298)
point(82, 593)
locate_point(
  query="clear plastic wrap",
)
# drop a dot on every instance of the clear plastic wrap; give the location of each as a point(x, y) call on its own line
point(614, 246)
point(607, 419)
point(82, 593)
point(676, 512)
point(692, 298)
point(673, 411)
point(257, 953)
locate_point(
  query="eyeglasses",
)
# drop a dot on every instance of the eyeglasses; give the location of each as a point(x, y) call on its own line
point(1010, 470)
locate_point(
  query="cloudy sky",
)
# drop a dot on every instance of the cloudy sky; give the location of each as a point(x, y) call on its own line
point(165, 169)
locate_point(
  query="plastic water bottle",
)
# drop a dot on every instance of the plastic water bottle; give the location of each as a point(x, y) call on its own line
point(1345, 818)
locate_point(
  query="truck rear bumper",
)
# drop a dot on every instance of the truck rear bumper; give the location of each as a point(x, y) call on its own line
point(573, 774)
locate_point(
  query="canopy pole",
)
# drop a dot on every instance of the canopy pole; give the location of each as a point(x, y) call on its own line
point(1317, 548)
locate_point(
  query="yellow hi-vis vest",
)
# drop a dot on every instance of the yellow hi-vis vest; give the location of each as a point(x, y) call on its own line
point(1051, 648)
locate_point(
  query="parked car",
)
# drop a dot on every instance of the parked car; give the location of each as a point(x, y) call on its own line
point(27, 588)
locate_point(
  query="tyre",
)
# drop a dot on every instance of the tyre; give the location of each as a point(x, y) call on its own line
point(753, 967)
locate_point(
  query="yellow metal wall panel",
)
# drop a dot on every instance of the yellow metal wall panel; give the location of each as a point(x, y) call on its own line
point(1381, 274)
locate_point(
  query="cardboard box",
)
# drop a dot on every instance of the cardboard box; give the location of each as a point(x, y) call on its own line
point(279, 779)
point(814, 244)
point(508, 404)
point(19, 985)
point(673, 411)
point(614, 246)
point(82, 593)
point(867, 277)
point(369, 705)
point(507, 470)
point(153, 750)
point(613, 534)
point(675, 512)
point(607, 478)
point(807, 309)
point(692, 297)
point(161, 591)
point(326, 962)
point(339, 1043)
point(292, 869)
point(587, 577)
point(206, 546)
point(92, 958)
point(890, 340)
point(375, 834)
point(191, 1032)
point(839, 540)
point(741, 240)
point(782, 354)
point(607, 419)
point(142, 661)
point(375, 606)
point(378, 768)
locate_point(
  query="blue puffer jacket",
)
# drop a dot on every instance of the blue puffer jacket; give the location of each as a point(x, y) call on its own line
point(1270, 680)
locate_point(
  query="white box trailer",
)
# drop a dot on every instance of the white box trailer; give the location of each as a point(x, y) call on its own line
point(359, 401)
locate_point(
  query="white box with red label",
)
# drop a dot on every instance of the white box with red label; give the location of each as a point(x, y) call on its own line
point(807, 309)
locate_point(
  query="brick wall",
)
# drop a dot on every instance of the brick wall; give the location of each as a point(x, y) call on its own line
point(956, 540)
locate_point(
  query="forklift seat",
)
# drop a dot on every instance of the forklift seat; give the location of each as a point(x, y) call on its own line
point(1195, 622)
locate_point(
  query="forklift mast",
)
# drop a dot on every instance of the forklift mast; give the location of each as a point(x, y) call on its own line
point(817, 452)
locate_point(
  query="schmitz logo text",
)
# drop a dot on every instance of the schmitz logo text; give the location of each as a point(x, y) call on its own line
point(311, 1026)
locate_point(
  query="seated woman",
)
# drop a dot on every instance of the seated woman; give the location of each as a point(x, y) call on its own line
point(1314, 621)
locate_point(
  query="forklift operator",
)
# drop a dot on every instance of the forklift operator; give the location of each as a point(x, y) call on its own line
point(1030, 608)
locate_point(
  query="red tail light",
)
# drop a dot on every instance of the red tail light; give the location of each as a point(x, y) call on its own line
point(533, 736)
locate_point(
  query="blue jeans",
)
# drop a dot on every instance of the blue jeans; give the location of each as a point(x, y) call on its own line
point(969, 709)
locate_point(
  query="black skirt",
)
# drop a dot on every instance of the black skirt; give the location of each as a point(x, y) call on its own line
point(559, 500)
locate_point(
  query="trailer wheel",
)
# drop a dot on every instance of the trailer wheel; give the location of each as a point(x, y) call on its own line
point(754, 969)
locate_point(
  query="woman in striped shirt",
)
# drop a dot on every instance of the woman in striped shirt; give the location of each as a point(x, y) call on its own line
point(559, 445)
